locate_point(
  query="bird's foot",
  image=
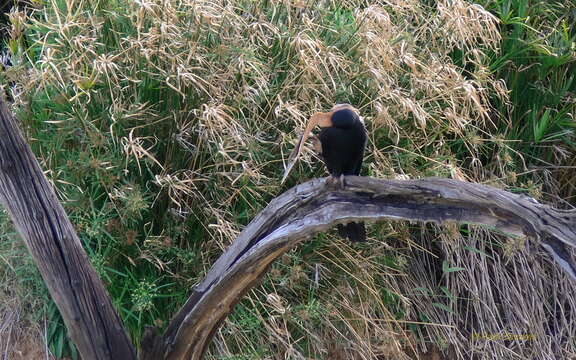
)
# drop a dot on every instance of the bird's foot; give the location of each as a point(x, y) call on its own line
point(336, 182)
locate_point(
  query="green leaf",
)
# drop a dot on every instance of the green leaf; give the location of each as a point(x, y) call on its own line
point(541, 126)
point(448, 294)
point(477, 251)
point(447, 269)
point(59, 344)
point(424, 291)
point(443, 307)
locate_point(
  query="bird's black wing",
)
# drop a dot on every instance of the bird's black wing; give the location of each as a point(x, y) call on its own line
point(343, 153)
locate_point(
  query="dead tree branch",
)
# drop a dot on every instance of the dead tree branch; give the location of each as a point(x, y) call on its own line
point(316, 206)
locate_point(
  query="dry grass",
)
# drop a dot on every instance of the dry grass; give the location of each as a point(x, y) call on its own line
point(166, 123)
point(508, 302)
point(22, 317)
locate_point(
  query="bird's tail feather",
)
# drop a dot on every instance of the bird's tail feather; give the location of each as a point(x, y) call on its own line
point(354, 231)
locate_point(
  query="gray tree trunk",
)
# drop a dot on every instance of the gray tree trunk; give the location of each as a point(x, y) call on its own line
point(86, 308)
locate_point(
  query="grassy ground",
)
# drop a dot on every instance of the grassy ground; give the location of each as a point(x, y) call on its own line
point(164, 124)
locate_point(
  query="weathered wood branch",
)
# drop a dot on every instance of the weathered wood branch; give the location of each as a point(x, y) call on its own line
point(86, 308)
point(316, 206)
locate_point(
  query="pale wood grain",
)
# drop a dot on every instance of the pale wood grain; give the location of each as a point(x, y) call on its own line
point(86, 308)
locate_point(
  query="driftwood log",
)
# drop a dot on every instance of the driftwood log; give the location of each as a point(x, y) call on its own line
point(295, 215)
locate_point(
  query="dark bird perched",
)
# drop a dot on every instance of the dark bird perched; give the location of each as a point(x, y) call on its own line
point(343, 139)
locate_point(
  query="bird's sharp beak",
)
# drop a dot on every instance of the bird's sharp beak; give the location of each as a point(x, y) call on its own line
point(320, 119)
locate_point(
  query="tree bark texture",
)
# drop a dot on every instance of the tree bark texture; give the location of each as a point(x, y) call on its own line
point(80, 295)
point(318, 205)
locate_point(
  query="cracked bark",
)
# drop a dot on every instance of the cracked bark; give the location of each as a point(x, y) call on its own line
point(86, 308)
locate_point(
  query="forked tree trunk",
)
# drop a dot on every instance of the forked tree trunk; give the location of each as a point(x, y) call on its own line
point(297, 214)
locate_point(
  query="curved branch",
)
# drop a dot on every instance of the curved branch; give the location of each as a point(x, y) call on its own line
point(318, 205)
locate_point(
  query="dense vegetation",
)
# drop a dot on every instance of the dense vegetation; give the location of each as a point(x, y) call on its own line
point(164, 124)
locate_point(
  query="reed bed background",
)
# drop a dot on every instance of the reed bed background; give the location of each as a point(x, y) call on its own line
point(164, 126)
